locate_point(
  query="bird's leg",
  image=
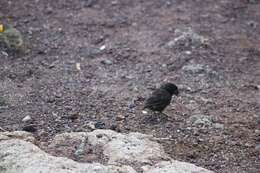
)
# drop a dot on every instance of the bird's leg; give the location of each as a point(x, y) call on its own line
point(161, 116)
point(165, 115)
point(157, 114)
point(152, 118)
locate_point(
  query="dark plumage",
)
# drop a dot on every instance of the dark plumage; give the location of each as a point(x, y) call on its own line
point(161, 97)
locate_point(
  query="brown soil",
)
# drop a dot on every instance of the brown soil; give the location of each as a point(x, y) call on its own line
point(46, 84)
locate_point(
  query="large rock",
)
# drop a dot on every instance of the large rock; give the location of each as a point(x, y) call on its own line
point(117, 153)
point(17, 135)
point(24, 157)
point(131, 148)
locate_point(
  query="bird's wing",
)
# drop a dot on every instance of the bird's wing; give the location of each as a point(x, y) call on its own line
point(158, 98)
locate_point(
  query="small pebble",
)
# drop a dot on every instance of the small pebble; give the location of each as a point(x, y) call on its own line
point(164, 65)
point(114, 2)
point(4, 53)
point(90, 125)
point(218, 126)
point(253, 24)
point(89, 3)
point(73, 115)
point(26, 119)
point(2, 101)
point(106, 62)
point(78, 66)
point(258, 119)
point(49, 10)
point(252, 1)
point(188, 52)
point(99, 125)
point(99, 136)
point(120, 117)
point(113, 127)
point(102, 47)
point(144, 112)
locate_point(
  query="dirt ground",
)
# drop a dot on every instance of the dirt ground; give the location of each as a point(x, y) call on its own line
point(97, 60)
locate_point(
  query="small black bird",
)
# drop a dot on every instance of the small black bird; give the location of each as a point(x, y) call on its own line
point(161, 97)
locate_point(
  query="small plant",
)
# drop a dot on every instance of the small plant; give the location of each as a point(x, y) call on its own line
point(11, 38)
point(1, 28)
point(2, 101)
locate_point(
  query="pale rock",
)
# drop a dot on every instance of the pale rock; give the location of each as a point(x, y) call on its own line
point(123, 152)
point(27, 118)
point(17, 135)
point(174, 167)
point(24, 157)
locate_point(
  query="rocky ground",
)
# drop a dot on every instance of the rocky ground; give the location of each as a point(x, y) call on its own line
point(91, 63)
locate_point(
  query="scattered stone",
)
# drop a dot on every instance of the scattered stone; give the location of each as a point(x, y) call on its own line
point(186, 38)
point(113, 127)
point(257, 147)
point(188, 52)
point(89, 3)
point(27, 118)
point(134, 24)
point(184, 88)
point(73, 115)
point(42, 52)
point(218, 126)
point(116, 127)
point(49, 10)
point(258, 119)
point(90, 125)
point(102, 47)
point(144, 112)
point(164, 65)
point(4, 53)
point(107, 62)
point(252, 1)
point(203, 120)
point(78, 66)
point(2, 101)
point(30, 128)
point(252, 24)
point(249, 145)
point(99, 125)
point(257, 132)
point(252, 86)
point(88, 52)
point(120, 117)
point(194, 68)
point(115, 2)
point(50, 99)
